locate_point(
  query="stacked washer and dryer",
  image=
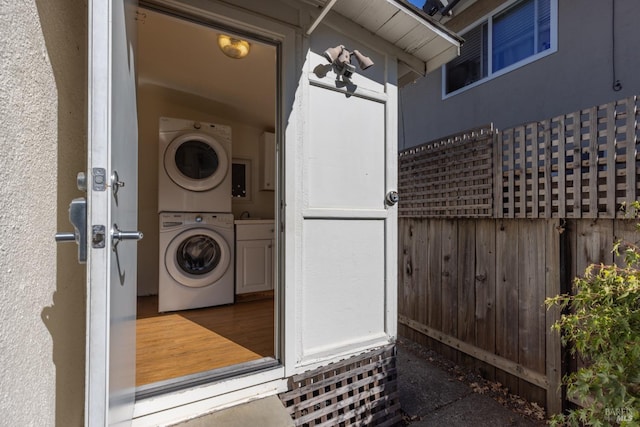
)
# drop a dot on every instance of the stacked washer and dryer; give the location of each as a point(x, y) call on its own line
point(196, 223)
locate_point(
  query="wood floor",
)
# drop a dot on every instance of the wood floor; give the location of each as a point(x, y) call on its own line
point(176, 344)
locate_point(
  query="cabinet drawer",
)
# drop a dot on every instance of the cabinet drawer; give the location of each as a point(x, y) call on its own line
point(254, 231)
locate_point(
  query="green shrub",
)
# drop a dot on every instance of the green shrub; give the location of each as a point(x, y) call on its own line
point(602, 324)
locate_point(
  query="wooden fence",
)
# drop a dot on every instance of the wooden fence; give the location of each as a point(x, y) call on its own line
point(452, 177)
point(579, 165)
point(471, 285)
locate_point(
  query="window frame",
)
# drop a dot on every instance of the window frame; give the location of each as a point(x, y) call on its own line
point(248, 179)
point(488, 19)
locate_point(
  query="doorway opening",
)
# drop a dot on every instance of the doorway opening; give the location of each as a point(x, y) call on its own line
point(207, 276)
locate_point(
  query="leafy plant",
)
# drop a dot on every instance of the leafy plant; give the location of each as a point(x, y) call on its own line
point(602, 324)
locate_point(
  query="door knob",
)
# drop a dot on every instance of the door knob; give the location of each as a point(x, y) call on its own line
point(78, 218)
point(117, 235)
point(392, 198)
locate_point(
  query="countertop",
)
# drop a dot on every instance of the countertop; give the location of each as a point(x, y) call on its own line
point(253, 221)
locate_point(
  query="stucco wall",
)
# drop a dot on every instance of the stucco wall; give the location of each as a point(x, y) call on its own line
point(578, 75)
point(42, 137)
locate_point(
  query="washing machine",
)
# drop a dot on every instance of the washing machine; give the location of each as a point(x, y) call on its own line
point(196, 260)
point(194, 171)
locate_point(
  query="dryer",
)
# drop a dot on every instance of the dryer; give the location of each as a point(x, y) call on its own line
point(196, 260)
point(194, 170)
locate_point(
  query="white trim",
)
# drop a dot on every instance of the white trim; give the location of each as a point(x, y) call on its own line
point(182, 405)
point(320, 17)
point(553, 24)
point(359, 91)
point(320, 356)
point(424, 22)
point(391, 184)
point(331, 354)
point(346, 213)
point(98, 212)
point(188, 403)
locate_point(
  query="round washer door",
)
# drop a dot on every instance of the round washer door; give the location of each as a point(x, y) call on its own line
point(196, 162)
point(197, 257)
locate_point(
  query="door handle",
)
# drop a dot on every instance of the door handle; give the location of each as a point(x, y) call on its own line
point(78, 218)
point(392, 198)
point(117, 235)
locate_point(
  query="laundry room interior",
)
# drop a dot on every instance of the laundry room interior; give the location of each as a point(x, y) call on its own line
point(206, 266)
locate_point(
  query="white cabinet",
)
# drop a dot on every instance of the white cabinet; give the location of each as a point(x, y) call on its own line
point(254, 255)
point(267, 167)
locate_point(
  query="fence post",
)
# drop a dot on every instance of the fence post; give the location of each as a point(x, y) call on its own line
point(553, 354)
point(498, 177)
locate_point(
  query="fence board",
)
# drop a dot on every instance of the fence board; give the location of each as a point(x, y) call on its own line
point(507, 266)
point(521, 168)
point(509, 151)
point(466, 280)
point(562, 164)
point(531, 292)
point(593, 163)
point(421, 269)
point(553, 346)
point(631, 146)
point(449, 261)
point(547, 161)
point(407, 286)
point(535, 179)
point(611, 166)
point(576, 163)
point(485, 289)
point(512, 368)
point(434, 275)
point(594, 244)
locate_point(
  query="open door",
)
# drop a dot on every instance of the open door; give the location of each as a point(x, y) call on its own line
point(111, 208)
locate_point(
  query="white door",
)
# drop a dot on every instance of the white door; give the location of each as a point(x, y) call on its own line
point(348, 232)
point(112, 206)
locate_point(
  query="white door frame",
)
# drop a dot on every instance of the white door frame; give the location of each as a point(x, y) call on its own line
point(186, 403)
point(111, 271)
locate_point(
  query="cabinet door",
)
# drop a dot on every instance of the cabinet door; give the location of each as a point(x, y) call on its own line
point(254, 269)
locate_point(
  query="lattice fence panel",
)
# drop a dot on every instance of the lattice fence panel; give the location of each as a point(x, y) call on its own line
point(452, 177)
point(580, 165)
point(359, 391)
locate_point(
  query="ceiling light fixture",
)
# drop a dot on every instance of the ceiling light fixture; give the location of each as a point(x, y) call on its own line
point(233, 47)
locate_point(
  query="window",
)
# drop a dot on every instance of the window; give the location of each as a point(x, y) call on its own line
point(241, 179)
point(509, 38)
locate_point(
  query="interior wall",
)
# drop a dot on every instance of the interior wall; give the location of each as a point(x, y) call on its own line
point(155, 102)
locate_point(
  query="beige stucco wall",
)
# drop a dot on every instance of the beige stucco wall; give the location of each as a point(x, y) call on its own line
point(42, 139)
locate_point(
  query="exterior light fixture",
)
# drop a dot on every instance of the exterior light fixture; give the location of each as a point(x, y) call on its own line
point(340, 58)
point(233, 47)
